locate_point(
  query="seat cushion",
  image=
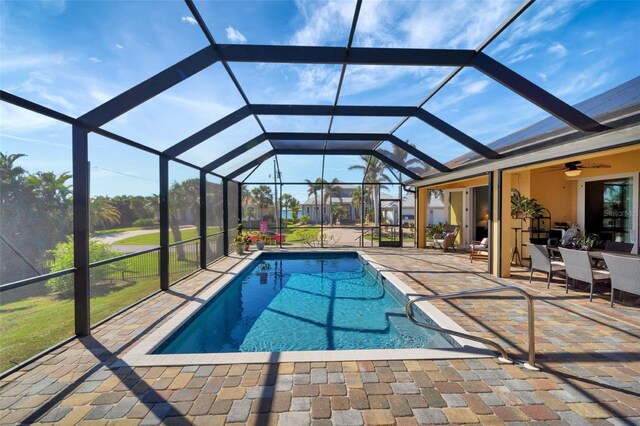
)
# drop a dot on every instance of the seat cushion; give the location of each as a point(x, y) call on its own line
point(478, 247)
point(601, 275)
point(556, 265)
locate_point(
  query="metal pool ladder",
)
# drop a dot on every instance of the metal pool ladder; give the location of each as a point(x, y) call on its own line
point(504, 357)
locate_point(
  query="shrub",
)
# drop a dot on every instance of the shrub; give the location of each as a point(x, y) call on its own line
point(304, 219)
point(147, 221)
point(309, 236)
point(63, 259)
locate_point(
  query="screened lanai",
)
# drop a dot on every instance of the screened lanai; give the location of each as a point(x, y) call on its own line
point(137, 138)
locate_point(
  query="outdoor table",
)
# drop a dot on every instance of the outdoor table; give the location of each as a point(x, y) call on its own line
point(596, 255)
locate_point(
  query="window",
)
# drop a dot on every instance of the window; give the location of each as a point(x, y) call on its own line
point(609, 203)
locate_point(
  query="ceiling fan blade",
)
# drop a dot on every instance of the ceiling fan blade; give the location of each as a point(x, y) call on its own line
point(594, 166)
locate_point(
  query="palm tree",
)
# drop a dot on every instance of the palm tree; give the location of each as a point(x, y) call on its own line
point(332, 189)
point(294, 205)
point(374, 173)
point(314, 187)
point(401, 157)
point(103, 213)
point(356, 202)
point(285, 199)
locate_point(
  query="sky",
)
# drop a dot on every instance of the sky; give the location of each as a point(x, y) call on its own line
point(74, 55)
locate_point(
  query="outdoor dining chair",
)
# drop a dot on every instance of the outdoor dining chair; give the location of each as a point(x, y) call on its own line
point(618, 247)
point(542, 262)
point(625, 273)
point(578, 267)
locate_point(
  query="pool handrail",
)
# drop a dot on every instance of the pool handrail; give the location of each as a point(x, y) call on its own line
point(531, 365)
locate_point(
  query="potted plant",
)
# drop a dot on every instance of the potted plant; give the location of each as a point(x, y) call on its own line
point(261, 241)
point(587, 241)
point(523, 207)
point(238, 243)
point(246, 239)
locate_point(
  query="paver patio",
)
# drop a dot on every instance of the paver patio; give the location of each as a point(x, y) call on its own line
point(589, 352)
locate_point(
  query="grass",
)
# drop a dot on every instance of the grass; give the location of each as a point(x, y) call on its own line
point(153, 239)
point(33, 324)
point(114, 230)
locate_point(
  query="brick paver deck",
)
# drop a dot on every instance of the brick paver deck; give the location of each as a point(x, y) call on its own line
point(590, 354)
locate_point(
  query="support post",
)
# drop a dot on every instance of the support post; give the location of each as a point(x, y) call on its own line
point(164, 223)
point(225, 215)
point(81, 197)
point(490, 222)
point(203, 219)
point(362, 216)
point(240, 202)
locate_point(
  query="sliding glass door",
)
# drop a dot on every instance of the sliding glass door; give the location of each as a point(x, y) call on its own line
point(609, 209)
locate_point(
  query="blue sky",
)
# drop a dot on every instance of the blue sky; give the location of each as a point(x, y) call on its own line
point(74, 55)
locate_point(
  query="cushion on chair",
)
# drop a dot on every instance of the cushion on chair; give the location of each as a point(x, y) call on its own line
point(557, 265)
point(601, 275)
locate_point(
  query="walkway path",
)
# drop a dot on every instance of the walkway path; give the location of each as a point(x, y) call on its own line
point(119, 236)
point(590, 354)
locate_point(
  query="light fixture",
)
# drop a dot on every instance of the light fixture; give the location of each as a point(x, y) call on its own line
point(573, 172)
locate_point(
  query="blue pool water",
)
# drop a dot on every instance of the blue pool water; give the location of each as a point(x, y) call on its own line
point(301, 302)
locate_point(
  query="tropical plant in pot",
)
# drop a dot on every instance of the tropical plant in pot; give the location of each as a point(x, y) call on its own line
point(523, 207)
point(587, 241)
point(262, 240)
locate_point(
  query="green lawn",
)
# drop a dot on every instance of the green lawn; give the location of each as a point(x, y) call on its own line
point(154, 238)
point(111, 231)
point(33, 324)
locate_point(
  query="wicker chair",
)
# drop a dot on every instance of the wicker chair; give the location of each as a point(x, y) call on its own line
point(625, 273)
point(542, 262)
point(448, 239)
point(578, 266)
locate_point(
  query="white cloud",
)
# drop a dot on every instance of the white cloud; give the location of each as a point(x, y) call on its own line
point(475, 87)
point(18, 62)
point(542, 76)
point(94, 60)
point(324, 22)
point(235, 35)
point(189, 20)
point(119, 46)
point(558, 50)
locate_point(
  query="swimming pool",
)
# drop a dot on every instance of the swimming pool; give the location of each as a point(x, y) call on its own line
point(303, 302)
point(301, 306)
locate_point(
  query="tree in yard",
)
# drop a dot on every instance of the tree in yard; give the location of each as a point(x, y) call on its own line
point(103, 213)
point(332, 189)
point(285, 199)
point(294, 205)
point(264, 197)
point(314, 188)
point(374, 173)
point(356, 202)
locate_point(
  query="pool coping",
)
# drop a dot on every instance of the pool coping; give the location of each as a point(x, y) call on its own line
point(140, 355)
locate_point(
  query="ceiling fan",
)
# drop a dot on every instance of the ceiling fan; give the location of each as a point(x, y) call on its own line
point(574, 168)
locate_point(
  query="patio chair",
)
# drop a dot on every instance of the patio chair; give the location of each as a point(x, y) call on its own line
point(447, 240)
point(618, 247)
point(479, 249)
point(541, 261)
point(578, 266)
point(625, 274)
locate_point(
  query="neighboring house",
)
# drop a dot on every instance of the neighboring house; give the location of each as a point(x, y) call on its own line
point(436, 211)
point(316, 212)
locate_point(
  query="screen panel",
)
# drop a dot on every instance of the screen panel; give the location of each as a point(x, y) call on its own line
point(35, 193)
point(74, 56)
point(574, 50)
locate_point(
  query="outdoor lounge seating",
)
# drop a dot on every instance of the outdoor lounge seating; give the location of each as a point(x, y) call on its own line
point(578, 268)
point(479, 249)
point(542, 262)
point(625, 274)
point(447, 240)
